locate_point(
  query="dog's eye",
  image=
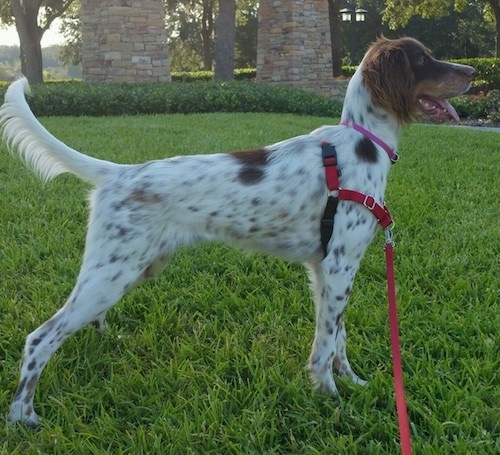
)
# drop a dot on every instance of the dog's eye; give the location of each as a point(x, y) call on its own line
point(422, 60)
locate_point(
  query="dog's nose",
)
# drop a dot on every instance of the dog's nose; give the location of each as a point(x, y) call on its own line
point(464, 71)
point(469, 71)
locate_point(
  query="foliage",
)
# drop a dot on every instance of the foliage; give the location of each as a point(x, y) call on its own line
point(483, 105)
point(487, 69)
point(32, 19)
point(53, 68)
point(190, 28)
point(209, 357)
point(197, 76)
point(487, 72)
point(397, 13)
point(457, 34)
point(77, 98)
point(71, 50)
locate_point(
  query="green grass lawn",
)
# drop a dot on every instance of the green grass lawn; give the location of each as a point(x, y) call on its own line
point(210, 357)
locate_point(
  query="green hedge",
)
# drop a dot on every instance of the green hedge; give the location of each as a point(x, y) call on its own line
point(487, 71)
point(100, 99)
point(198, 76)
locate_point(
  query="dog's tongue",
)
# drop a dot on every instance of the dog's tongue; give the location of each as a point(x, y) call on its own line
point(438, 109)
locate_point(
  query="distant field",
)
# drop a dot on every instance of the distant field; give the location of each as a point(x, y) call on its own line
point(209, 358)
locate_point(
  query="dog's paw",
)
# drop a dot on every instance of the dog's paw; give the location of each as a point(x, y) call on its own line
point(323, 383)
point(357, 380)
point(31, 420)
point(99, 324)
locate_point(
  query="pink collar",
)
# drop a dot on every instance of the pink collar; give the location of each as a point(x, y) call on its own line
point(392, 154)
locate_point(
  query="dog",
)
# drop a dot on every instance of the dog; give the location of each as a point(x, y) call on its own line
point(270, 200)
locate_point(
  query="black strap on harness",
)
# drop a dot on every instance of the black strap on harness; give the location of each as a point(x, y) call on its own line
point(329, 155)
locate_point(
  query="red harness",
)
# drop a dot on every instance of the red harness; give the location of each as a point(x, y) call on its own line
point(335, 193)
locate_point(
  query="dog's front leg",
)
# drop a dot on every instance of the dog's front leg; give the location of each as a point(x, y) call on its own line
point(331, 284)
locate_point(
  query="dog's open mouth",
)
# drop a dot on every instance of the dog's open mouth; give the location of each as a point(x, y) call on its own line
point(437, 109)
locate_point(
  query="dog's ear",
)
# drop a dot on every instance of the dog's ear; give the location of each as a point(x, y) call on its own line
point(388, 76)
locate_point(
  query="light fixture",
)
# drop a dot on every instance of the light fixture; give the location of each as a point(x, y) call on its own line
point(346, 14)
point(360, 15)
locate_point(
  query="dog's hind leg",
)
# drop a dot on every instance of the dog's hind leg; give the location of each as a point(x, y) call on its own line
point(152, 270)
point(106, 274)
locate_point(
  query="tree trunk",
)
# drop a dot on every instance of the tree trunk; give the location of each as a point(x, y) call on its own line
point(495, 6)
point(334, 7)
point(30, 36)
point(207, 27)
point(224, 40)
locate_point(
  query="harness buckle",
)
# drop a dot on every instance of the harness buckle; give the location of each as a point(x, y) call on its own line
point(388, 236)
point(369, 202)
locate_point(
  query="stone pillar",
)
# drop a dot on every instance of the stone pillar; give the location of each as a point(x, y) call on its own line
point(293, 44)
point(124, 41)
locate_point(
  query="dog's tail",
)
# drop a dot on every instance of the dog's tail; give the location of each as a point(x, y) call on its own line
point(43, 153)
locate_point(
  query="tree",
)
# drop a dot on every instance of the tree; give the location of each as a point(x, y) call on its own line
point(71, 51)
point(247, 23)
point(334, 6)
point(192, 21)
point(190, 29)
point(225, 36)
point(32, 19)
point(399, 12)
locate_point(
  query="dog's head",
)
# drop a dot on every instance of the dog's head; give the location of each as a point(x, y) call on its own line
point(405, 79)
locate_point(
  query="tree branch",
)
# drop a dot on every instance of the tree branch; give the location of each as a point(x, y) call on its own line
point(55, 14)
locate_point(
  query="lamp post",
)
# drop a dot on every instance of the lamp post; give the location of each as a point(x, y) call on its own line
point(352, 16)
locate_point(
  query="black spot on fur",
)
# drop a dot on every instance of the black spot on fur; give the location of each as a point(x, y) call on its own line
point(20, 389)
point(366, 151)
point(339, 251)
point(31, 387)
point(121, 232)
point(316, 361)
point(118, 275)
point(38, 340)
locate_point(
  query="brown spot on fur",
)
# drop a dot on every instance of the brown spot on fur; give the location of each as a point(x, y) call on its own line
point(252, 163)
point(141, 195)
point(252, 157)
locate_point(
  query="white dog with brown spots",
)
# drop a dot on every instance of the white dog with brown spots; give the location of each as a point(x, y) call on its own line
point(270, 200)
